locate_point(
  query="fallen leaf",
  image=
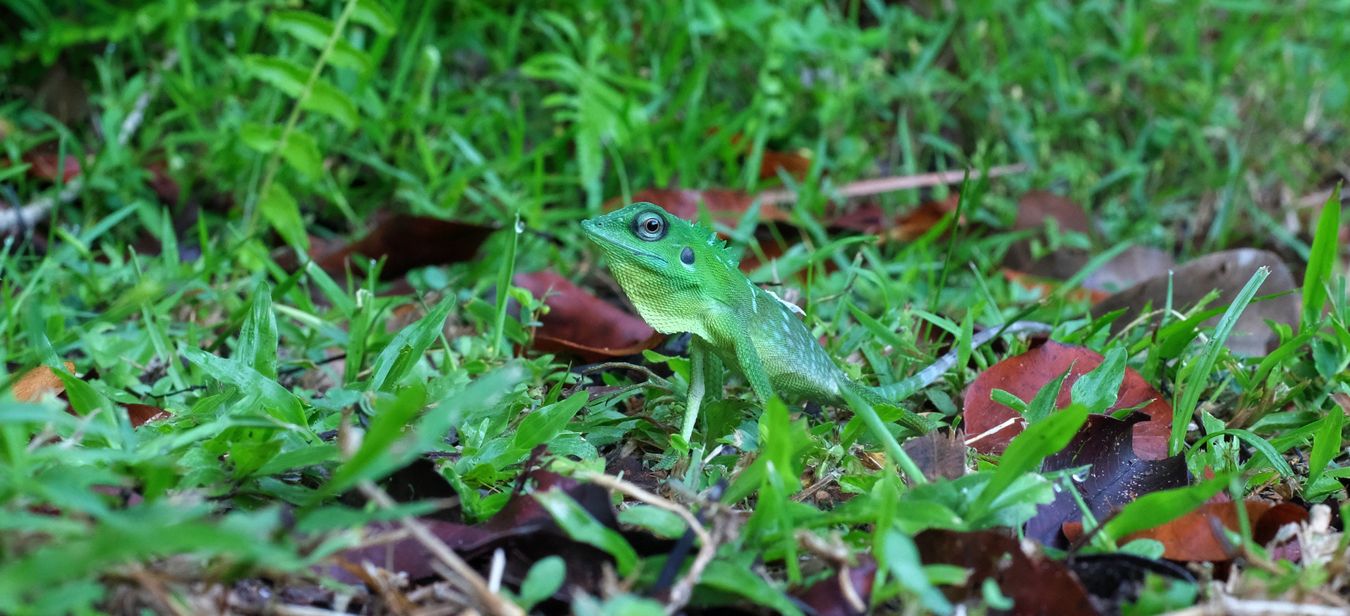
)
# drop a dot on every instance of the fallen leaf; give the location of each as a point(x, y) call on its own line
point(49, 166)
point(141, 414)
point(939, 456)
point(907, 226)
point(1136, 264)
point(829, 597)
point(1192, 537)
point(408, 242)
point(795, 164)
point(1025, 374)
point(580, 323)
point(1034, 209)
point(1227, 271)
point(523, 529)
point(1035, 583)
point(38, 382)
point(1116, 478)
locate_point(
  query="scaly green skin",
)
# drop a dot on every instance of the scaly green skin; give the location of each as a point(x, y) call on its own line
point(681, 279)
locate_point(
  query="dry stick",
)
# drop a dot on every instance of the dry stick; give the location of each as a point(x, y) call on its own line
point(34, 211)
point(681, 592)
point(469, 579)
point(878, 186)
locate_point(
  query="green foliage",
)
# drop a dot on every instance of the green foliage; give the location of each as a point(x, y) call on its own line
point(289, 125)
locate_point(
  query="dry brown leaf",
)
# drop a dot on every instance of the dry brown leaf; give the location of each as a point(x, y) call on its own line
point(990, 425)
point(38, 382)
point(580, 323)
point(1227, 271)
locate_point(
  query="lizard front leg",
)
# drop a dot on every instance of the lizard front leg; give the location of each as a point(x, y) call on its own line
point(702, 365)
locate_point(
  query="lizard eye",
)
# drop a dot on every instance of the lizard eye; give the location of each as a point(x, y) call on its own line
point(650, 226)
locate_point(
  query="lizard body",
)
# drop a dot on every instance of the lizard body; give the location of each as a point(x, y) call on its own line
point(681, 278)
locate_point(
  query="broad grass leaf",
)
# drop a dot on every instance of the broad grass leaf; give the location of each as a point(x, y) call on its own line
point(658, 521)
point(545, 578)
point(258, 336)
point(1326, 444)
point(406, 349)
point(1161, 507)
point(581, 526)
point(325, 98)
point(740, 580)
point(274, 399)
point(290, 77)
point(1025, 453)
point(1098, 389)
point(302, 153)
point(1322, 258)
point(378, 454)
point(283, 75)
point(372, 13)
point(901, 557)
point(283, 213)
point(314, 31)
point(545, 423)
point(260, 138)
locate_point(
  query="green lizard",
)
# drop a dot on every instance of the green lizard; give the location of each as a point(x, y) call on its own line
point(682, 279)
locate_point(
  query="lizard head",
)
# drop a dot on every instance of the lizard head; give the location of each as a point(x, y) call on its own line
point(668, 267)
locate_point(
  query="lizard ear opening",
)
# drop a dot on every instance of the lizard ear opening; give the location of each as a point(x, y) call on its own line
point(687, 256)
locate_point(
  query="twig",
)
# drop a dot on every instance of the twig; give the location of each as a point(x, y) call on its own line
point(37, 209)
point(637, 493)
point(682, 590)
point(467, 578)
point(878, 186)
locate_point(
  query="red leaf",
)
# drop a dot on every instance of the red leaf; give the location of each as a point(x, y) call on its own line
point(1025, 374)
point(1194, 538)
point(907, 226)
point(47, 166)
point(141, 414)
point(829, 597)
point(1035, 583)
point(581, 323)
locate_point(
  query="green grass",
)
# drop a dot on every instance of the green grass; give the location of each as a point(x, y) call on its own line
point(1173, 123)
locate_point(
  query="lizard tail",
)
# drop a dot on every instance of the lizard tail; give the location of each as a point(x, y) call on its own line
point(896, 392)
